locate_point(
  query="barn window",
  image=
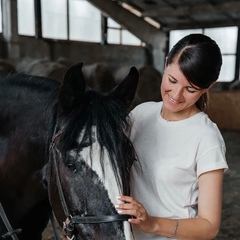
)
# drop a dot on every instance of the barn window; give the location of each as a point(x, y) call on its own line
point(85, 21)
point(114, 35)
point(26, 18)
point(178, 34)
point(0, 15)
point(73, 19)
point(54, 19)
point(226, 38)
point(76, 20)
point(118, 35)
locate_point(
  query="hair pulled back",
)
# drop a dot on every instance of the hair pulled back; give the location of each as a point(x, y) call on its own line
point(200, 60)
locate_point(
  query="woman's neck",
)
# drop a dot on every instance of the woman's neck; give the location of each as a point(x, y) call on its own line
point(177, 116)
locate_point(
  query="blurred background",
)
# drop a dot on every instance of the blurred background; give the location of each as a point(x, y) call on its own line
point(45, 37)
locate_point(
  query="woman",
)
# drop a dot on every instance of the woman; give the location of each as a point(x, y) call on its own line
point(177, 181)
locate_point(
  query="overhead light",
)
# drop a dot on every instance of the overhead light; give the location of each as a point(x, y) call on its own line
point(139, 14)
point(152, 22)
point(131, 9)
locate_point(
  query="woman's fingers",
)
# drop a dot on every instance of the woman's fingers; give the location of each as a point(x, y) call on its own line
point(126, 199)
point(130, 200)
point(131, 207)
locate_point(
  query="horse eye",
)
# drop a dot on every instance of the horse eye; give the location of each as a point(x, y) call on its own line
point(85, 144)
point(71, 167)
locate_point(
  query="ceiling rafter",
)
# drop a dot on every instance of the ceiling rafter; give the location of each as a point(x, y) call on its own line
point(178, 14)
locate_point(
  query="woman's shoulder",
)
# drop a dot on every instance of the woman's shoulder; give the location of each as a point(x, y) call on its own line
point(207, 124)
point(209, 131)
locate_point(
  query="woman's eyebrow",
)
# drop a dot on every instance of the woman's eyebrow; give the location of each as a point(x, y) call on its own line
point(172, 77)
point(194, 87)
point(190, 85)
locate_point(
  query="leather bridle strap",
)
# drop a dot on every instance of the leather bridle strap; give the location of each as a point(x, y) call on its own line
point(11, 233)
point(101, 219)
point(59, 187)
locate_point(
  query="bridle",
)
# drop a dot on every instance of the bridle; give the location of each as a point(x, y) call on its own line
point(71, 221)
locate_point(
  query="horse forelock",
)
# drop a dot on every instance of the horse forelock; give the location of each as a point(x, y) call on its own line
point(100, 113)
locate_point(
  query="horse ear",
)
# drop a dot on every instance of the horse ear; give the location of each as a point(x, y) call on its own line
point(125, 90)
point(72, 88)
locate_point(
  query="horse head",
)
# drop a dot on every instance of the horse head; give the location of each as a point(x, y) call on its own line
point(91, 156)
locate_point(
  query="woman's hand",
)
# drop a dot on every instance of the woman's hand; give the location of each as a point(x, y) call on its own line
point(140, 217)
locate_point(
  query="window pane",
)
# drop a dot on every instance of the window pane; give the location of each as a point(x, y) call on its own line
point(26, 19)
point(54, 19)
point(228, 69)
point(176, 35)
point(114, 36)
point(113, 24)
point(225, 37)
point(0, 15)
point(129, 39)
point(85, 21)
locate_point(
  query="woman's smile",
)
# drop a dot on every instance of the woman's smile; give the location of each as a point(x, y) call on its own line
point(174, 101)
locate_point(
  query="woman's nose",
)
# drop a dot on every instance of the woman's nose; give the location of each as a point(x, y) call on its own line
point(177, 92)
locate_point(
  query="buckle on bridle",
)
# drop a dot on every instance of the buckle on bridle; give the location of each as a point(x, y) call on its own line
point(68, 229)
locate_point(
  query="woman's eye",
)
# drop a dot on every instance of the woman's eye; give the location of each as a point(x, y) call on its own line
point(171, 80)
point(190, 90)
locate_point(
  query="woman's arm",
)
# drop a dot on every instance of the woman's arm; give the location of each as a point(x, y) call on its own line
point(205, 226)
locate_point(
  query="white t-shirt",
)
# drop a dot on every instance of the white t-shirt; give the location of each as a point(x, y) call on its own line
point(171, 157)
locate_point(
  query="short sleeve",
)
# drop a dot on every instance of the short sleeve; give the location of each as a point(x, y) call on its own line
point(213, 160)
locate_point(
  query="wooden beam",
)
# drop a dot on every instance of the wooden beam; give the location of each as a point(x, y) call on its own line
point(154, 38)
point(228, 6)
point(178, 26)
point(136, 25)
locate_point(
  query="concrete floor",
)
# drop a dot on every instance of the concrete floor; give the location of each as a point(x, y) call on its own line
point(230, 228)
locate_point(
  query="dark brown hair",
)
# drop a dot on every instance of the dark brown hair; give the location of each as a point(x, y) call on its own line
point(200, 60)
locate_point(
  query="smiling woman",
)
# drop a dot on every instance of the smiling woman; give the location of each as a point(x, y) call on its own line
point(176, 185)
point(178, 94)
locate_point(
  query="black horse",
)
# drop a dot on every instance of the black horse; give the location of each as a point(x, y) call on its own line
point(64, 147)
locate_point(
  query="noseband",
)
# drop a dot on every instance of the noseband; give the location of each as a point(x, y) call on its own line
point(71, 221)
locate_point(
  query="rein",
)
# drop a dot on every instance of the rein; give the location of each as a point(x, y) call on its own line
point(71, 221)
point(11, 233)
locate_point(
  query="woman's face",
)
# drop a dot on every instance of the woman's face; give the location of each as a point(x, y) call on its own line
point(178, 95)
